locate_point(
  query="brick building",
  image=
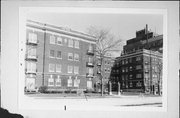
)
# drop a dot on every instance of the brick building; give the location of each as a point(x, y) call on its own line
point(58, 57)
point(139, 68)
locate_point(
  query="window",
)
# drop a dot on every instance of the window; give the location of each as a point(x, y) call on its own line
point(89, 84)
point(90, 59)
point(130, 60)
point(130, 68)
point(122, 62)
point(52, 39)
point(76, 57)
point(58, 81)
point(70, 69)
point(76, 70)
point(76, 43)
point(138, 75)
point(130, 84)
point(90, 71)
point(52, 54)
point(138, 67)
point(90, 47)
point(138, 58)
point(59, 41)
point(130, 76)
point(31, 52)
point(70, 82)
point(51, 81)
point(70, 56)
point(31, 67)
point(139, 84)
point(58, 68)
point(76, 82)
point(51, 67)
point(32, 38)
point(70, 43)
point(59, 56)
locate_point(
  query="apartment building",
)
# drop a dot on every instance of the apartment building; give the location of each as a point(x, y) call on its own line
point(59, 58)
point(139, 68)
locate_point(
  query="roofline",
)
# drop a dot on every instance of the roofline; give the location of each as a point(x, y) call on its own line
point(60, 29)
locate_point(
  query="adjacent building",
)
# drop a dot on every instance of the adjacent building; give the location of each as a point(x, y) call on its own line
point(139, 68)
point(59, 58)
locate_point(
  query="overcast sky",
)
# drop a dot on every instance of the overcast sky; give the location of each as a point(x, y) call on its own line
point(123, 26)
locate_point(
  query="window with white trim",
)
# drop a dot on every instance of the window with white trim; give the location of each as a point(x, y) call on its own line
point(76, 69)
point(76, 57)
point(70, 43)
point(76, 44)
point(76, 82)
point(69, 82)
point(59, 55)
point(70, 69)
point(90, 47)
point(59, 41)
point(51, 67)
point(32, 38)
point(31, 67)
point(138, 75)
point(58, 68)
point(52, 54)
point(31, 52)
point(90, 71)
point(51, 81)
point(52, 39)
point(89, 84)
point(58, 81)
point(70, 56)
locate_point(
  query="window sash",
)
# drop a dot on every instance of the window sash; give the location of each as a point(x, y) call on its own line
point(52, 40)
point(50, 82)
point(70, 43)
point(59, 55)
point(58, 82)
point(70, 69)
point(76, 70)
point(59, 41)
point(76, 57)
point(52, 53)
point(58, 68)
point(51, 67)
point(70, 56)
point(32, 38)
point(31, 67)
point(76, 44)
point(31, 52)
point(70, 82)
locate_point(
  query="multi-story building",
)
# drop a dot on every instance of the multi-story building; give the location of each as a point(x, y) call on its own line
point(139, 68)
point(103, 69)
point(58, 58)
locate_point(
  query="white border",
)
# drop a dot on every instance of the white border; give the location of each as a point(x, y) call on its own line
point(28, 103)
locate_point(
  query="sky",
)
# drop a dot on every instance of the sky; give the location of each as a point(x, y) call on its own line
point(122, 26)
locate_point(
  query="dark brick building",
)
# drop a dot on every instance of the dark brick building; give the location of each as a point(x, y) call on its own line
point(58, 57)
point(139, 68)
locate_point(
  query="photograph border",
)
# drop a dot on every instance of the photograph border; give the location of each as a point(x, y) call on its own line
point(10, 59)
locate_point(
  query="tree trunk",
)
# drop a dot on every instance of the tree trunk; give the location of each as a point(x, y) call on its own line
point(101, 75)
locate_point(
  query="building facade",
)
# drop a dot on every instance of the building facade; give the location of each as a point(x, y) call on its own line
point(103, 69)
point(58, 58)
point(139, 68)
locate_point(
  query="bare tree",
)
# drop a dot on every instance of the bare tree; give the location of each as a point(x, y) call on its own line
point(106, 43)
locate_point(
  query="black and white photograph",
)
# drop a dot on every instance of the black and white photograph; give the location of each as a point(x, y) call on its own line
point(109, 59)
point(90, 59)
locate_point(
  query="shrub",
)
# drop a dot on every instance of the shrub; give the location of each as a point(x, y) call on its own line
point(43, 89)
